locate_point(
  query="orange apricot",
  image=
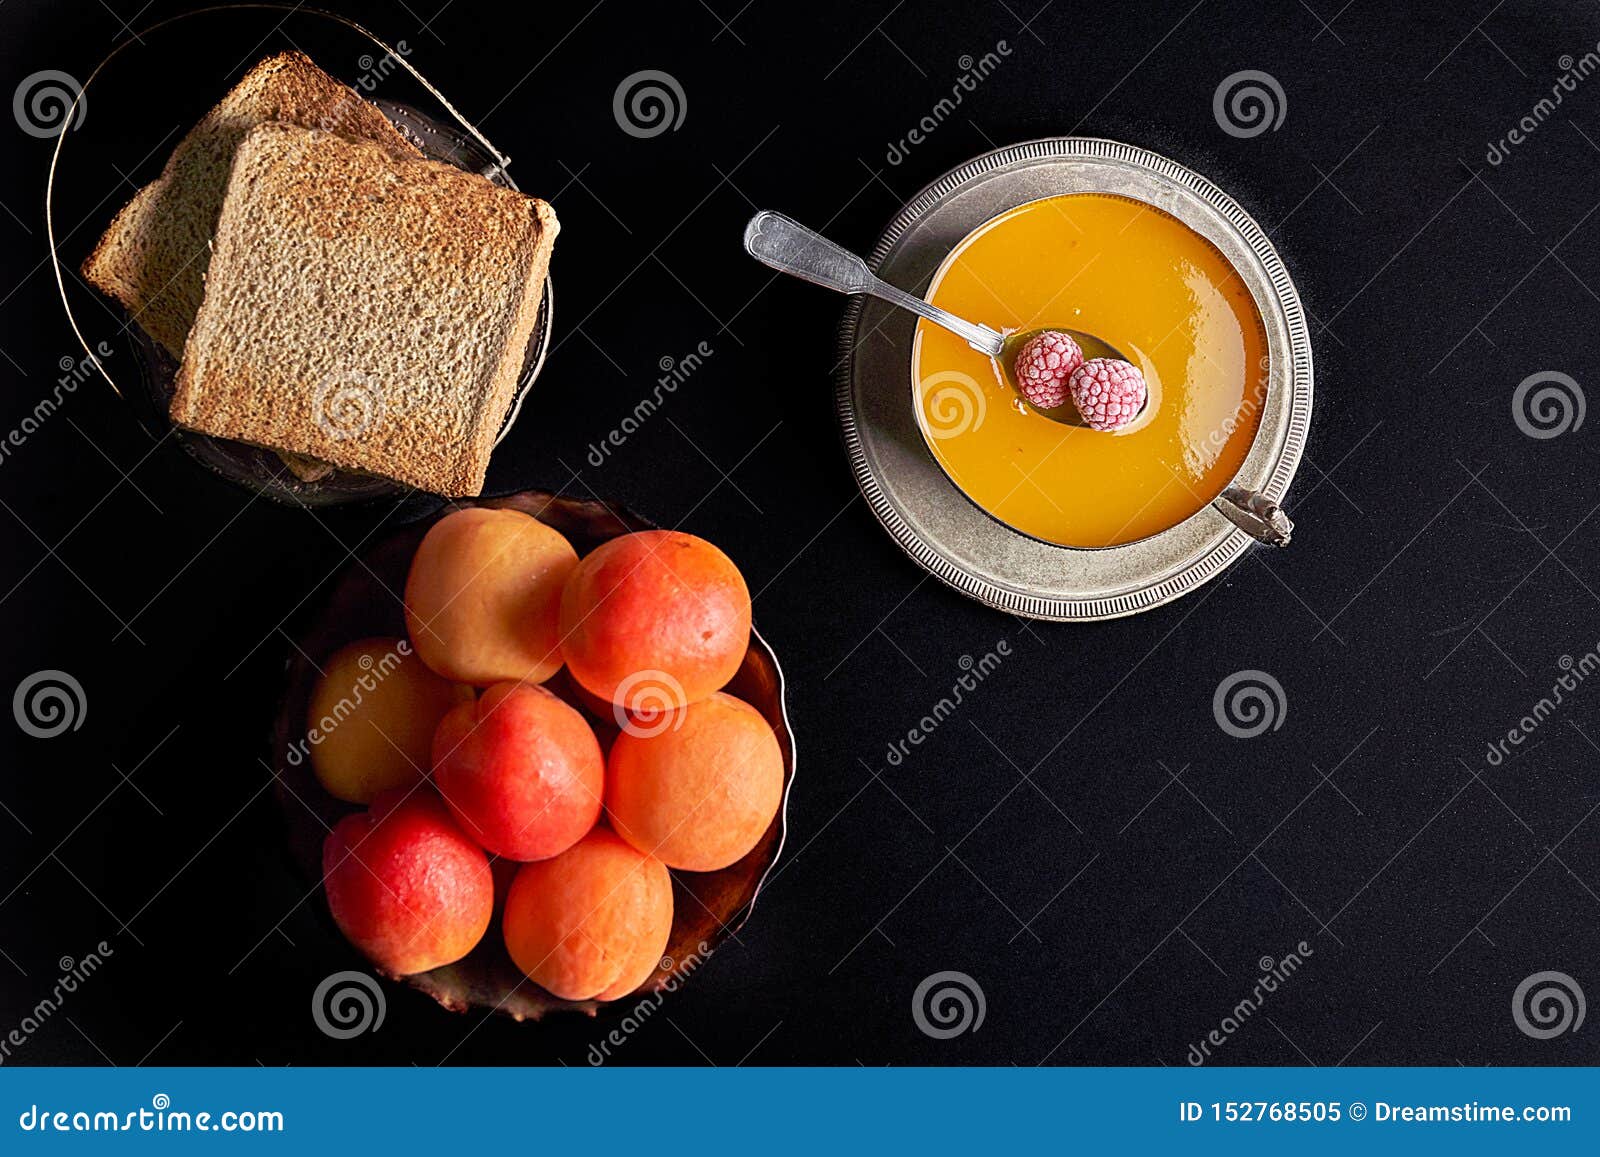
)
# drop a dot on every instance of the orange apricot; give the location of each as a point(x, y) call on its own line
point(592, 921)
point(696, 787)
point(655, 619)
point(405, 884)
point(521, 770)
point(372, 716)
point(483, 596)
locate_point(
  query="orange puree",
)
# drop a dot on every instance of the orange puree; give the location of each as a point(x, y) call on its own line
point(1150, 286)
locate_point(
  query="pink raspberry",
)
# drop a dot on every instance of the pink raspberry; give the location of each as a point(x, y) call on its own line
point(1043, 366)
point(1108, 393)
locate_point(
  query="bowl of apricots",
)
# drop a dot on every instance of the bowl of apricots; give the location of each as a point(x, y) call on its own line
point(535, 753)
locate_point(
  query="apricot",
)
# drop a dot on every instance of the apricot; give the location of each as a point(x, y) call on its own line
point(592, 921)
point(483, 596)
point(405, 884)
point(698, 788)
point(521, 770)
point(372, 717)
point(654, 620)
point(641, 965)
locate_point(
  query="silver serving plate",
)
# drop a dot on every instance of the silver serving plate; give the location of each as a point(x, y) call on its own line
point(924, 511)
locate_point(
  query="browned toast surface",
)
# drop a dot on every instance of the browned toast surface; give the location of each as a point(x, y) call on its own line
point(364, 309)
point(154, 255)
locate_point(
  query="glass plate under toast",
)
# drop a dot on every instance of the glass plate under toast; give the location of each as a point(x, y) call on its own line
point(117, 143)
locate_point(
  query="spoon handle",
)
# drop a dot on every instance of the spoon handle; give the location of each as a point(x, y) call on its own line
point(1256, 515)
point(789, 247)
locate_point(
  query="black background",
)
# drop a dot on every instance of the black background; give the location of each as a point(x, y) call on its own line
point(1444, 561)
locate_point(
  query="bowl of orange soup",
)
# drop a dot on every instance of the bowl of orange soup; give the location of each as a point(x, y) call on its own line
point(1013, 505)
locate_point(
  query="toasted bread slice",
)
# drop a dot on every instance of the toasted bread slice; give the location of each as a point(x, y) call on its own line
point(364, 309)
point(153, 256)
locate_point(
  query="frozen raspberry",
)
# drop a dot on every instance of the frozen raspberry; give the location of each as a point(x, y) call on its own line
point(1043, 366)
point(1108, 393)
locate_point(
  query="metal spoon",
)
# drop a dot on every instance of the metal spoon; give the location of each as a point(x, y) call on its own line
point(786, 245)
point(789, 247)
